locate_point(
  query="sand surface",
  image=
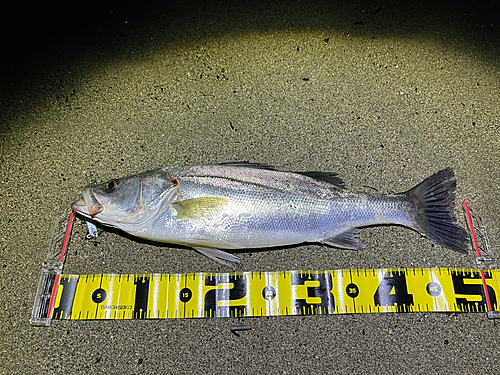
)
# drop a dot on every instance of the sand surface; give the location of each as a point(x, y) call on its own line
point(382, 92)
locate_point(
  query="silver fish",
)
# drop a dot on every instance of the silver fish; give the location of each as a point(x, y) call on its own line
point(242, 205)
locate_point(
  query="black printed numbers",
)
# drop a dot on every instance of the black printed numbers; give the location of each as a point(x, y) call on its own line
point(185, 295)
point(99, 295)
point(217, 300)
point(319, 299)
point(471, 291)
point(352, 290)
point(433, 289)
point(393, 291)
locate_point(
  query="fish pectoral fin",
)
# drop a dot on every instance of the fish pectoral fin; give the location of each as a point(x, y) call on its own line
point(199, 207)
point(346, 240)
point(217, 255)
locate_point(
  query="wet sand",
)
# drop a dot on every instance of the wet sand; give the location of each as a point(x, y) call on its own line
point(384, 93)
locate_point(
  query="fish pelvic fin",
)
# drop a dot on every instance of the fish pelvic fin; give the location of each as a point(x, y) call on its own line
point(217, 255)
point(433, 201)
point(346, 240)
point(199, 207)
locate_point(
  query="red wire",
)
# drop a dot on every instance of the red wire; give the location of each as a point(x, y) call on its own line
point(66, 238)
point(471, 228)
point(63, 252)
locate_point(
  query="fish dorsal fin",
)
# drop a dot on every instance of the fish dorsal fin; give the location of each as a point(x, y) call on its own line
point(199, 207)
point(247, 164)
point(330, 177)
point(346, 240)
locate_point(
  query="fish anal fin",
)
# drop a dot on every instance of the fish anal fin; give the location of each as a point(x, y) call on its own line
point(199, 207)
point(346, 240)
point(217, 255)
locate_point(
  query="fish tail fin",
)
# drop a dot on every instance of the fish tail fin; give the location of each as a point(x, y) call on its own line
point(433, 202)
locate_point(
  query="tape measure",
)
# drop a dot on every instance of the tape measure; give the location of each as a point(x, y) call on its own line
point(254, 294)
point(251, 294)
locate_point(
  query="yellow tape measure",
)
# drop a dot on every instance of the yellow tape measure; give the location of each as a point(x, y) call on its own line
point(248, 294)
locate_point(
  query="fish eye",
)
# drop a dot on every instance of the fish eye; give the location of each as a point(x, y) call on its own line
point(110, 186)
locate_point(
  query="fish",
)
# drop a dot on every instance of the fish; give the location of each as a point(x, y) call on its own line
point(241, 205)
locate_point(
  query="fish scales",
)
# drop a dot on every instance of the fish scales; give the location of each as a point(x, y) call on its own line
point(254, 212)
point(252, 178)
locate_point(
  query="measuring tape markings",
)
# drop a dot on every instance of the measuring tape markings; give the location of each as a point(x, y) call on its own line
point(167, 296)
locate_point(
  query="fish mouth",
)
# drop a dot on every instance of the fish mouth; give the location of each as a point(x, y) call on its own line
point(88, 207)
point(81, 208)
